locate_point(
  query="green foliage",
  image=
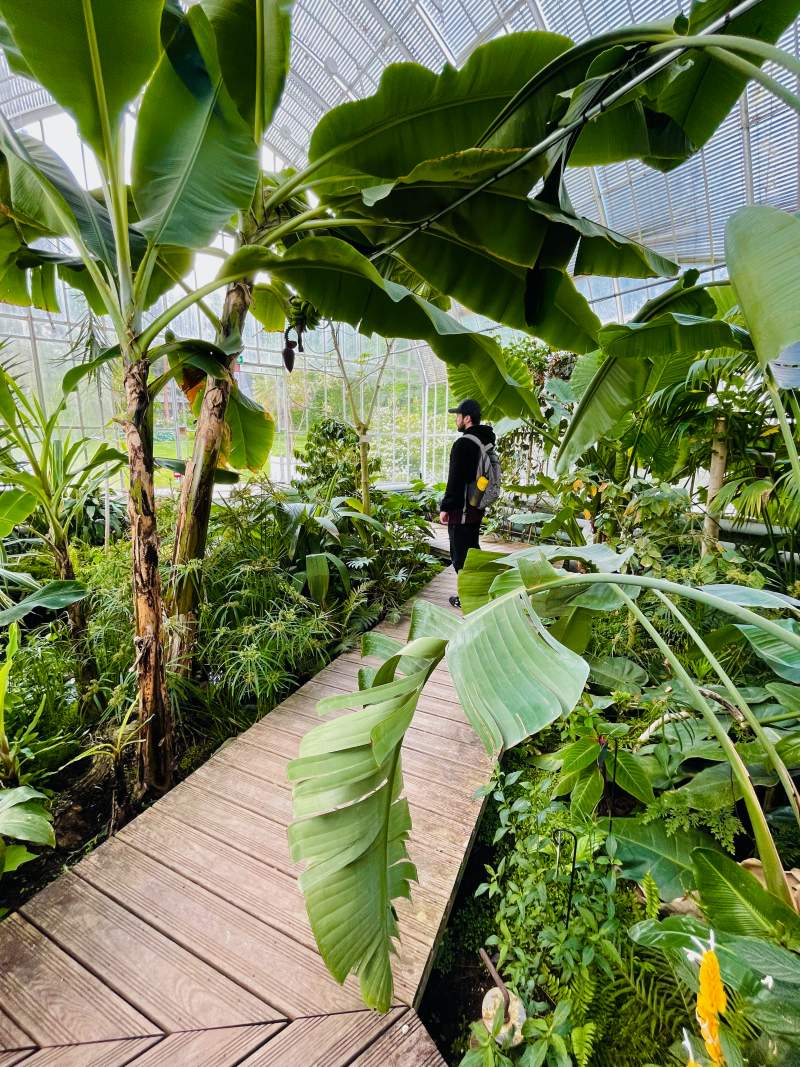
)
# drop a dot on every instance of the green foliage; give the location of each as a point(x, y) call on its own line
point(328, 463)
point(24, 816)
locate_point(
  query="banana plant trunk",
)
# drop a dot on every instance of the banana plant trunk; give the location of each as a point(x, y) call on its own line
point(197, 490)
point(716, 478)
point(156, 729)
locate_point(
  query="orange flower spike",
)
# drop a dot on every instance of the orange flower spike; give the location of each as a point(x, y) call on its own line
point(711, 1002)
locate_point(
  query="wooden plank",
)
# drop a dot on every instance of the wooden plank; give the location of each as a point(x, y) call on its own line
point(406, 1043)
point(11, 1036)
point(170, 985)
point(53, 998)
point(285, 974)
point(208, 1048)
point(11, 1059)
point(326, 1041)
point(97, 1054)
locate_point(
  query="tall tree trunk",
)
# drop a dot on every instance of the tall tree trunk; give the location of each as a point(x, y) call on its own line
point(197, 490)
point(156, 752)
point(363, 456)
point(85, 666)
point(716, 477)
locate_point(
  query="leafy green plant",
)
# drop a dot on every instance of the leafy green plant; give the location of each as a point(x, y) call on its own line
point(24, 816)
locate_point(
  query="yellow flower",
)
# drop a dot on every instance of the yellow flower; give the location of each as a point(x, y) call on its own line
point(711, 1002)
point(577, 484)
point(587, 514)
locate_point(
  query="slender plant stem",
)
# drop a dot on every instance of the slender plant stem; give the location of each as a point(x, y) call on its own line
point(292, 224)
point(750, 70)
point(770, 859)
point(783, 422)
point(688, 591)
point(732, 43)
point(735, 694)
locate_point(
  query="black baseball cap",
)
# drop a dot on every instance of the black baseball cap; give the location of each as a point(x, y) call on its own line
point(468, 407)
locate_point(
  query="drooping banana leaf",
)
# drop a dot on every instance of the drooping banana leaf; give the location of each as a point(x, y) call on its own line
point(352, 823)
point(92, 56)
point(253, 41)
point(194, 158)
point(762, 248)
point(53, 596)
point(620, 381)
point(344, 285)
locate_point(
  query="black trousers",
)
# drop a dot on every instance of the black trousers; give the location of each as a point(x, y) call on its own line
point(463, 537)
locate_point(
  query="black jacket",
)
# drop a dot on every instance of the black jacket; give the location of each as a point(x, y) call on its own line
point(464, 457)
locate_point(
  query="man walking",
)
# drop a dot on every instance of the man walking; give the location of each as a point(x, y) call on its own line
point(463, 521)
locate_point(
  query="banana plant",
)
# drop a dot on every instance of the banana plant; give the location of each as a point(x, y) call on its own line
point(513, 678)
point(379, 170)
point(762, 255)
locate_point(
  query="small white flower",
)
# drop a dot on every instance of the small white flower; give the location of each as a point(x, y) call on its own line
point(768, 981)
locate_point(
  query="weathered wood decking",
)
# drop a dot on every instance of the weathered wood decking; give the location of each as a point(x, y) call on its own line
point(184, 941)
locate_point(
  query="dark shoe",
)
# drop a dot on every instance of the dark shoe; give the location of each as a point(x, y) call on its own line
point(454, 602)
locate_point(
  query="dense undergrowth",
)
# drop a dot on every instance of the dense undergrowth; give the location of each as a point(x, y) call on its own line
point(266, 623)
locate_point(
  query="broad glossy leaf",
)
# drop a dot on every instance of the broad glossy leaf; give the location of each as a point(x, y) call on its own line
point(351, 823)
point(680, 934)
point(762, 248)
point(586, 793)
point(44, 191)
point(705, 78)
point(15, 506)
point(616, 672)
point(57, 42)
point(735, 901)
point(267, 308)
point(787, 695)
point(23, 817)
point(783, 658)
point(252, 431)
point(712, 788)
point(747, 597)
point(643, 847)
point(253, 40)
point(476, 577)
point(53, 597)
point(194, 159)
point(671, 334)
point(512, 677)
point(344, 285)
point(318, 576)
point(619, 383)
point(13, 856)
point(417, 115)
point(629, 774)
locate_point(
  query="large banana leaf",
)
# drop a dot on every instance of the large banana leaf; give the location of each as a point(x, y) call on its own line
point(351, 820)
point(762, 249)
point(250, 432)
point(15, 506)
point(253, 39)
point(417, 115)
point(45, 193)
point(352, 823)
point(93, 56)
point(780, 656)
point(194, 159)
point(620, 381)
point(703, 77)
point(344, 285)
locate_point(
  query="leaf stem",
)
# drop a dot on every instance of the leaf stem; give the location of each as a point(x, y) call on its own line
point(770, 859)
point(735, 694)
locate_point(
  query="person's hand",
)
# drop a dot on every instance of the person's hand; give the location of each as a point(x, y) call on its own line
point(443, 518)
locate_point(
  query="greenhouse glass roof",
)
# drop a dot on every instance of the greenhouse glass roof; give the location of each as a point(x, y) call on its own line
point(340, 48)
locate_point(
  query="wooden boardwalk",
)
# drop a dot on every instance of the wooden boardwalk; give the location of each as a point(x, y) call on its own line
point(183, 941)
